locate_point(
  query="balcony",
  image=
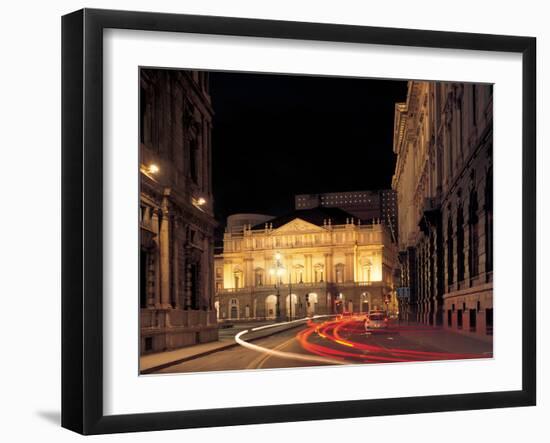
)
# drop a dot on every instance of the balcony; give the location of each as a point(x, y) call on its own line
point(323, 284)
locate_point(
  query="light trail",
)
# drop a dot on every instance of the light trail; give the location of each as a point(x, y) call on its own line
point(341, 347)
point(281, 354)
point(338, 332)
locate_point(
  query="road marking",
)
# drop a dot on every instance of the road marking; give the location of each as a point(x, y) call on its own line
point(258, 362)
point(288, 355)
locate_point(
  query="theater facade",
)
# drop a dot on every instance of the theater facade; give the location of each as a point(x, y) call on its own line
point(310, 262)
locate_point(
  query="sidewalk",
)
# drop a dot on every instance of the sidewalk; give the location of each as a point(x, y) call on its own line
point(154, 362)
point(445, 339)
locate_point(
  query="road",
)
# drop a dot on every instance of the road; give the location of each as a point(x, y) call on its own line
point(331, 342)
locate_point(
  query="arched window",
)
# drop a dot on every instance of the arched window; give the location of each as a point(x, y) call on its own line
point(238, 278)
point(318, 271)
point(259, 277)
point(234, 309)
point(473, 224)
point(339, 273)
point(450, 250)
point(298, 274)
point(366, 268)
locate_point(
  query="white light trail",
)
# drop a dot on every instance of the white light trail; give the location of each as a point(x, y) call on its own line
point(281, 354)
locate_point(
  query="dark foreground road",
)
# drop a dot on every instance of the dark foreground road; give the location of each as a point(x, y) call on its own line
point(327, 342)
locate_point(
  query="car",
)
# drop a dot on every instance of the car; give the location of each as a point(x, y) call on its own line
point(376, 320)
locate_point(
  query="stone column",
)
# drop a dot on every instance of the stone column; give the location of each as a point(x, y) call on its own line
point(329, 268)
point(175, 265)
point(156, 252)
point(309, 273)
point(165, 259)
point(348, 271)
point(248, 273)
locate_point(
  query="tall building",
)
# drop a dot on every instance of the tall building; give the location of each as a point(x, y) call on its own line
point(176, 218)
point(443, 178)
point(388, 211)
point(314, 261)
point(364, 205)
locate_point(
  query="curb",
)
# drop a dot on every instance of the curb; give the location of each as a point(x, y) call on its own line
point(211, 351)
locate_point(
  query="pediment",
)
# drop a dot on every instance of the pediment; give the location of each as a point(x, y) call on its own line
point(298, 225)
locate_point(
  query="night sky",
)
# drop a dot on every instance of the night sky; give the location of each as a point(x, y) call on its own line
point(279, 135)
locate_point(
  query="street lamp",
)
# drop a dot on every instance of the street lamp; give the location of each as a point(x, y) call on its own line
point(278, 271)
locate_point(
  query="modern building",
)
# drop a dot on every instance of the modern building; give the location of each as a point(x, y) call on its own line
point(365, 205)
point(444, 183)
point(312, 261)
point(176, 218)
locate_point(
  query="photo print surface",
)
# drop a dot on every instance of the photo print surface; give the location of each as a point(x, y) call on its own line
point(292, 221)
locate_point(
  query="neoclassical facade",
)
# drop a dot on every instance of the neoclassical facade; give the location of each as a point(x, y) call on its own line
point(316, 261)
point(444, 183)
point(176, 217)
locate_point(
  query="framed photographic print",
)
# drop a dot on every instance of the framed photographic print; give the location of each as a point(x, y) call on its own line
point(269, 221)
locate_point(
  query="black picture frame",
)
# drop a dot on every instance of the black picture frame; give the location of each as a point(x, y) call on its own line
point(82, 217)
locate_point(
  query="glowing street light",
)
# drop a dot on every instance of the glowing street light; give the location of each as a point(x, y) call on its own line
point(153, 169)
point(199, 201)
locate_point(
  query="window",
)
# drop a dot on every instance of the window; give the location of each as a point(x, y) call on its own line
point(194, 284)
point(489, 321)
point(473, 221)
point(339, 273)
point(450, 251)
point(143, 279)
point(460, 244)
point(259, 278)
point(318, 273)
point(148, 343)
point(473, 320)
point(193, 160)
point(366, 273)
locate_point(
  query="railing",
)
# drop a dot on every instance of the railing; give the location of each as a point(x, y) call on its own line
point(271, 287)
point(160, 318)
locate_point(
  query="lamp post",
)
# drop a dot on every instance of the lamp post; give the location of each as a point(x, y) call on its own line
point(290, 294)
point(277, 271)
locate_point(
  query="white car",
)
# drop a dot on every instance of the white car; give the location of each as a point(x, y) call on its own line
point(376, 320)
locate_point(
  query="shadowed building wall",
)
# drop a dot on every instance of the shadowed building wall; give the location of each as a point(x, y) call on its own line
point(176, 218)
point(443, 136)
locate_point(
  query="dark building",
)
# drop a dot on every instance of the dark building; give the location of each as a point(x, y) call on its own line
point(443, 140)
point(364, 205)
point(176, 216)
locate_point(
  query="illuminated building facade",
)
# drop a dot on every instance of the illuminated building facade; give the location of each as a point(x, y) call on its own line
point(176, 218)
point(319, 261)
point(444, 183)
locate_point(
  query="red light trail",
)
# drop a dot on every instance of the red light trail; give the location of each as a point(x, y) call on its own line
point(337, 339)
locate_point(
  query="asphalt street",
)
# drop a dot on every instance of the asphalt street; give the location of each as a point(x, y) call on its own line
point(341, 342)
